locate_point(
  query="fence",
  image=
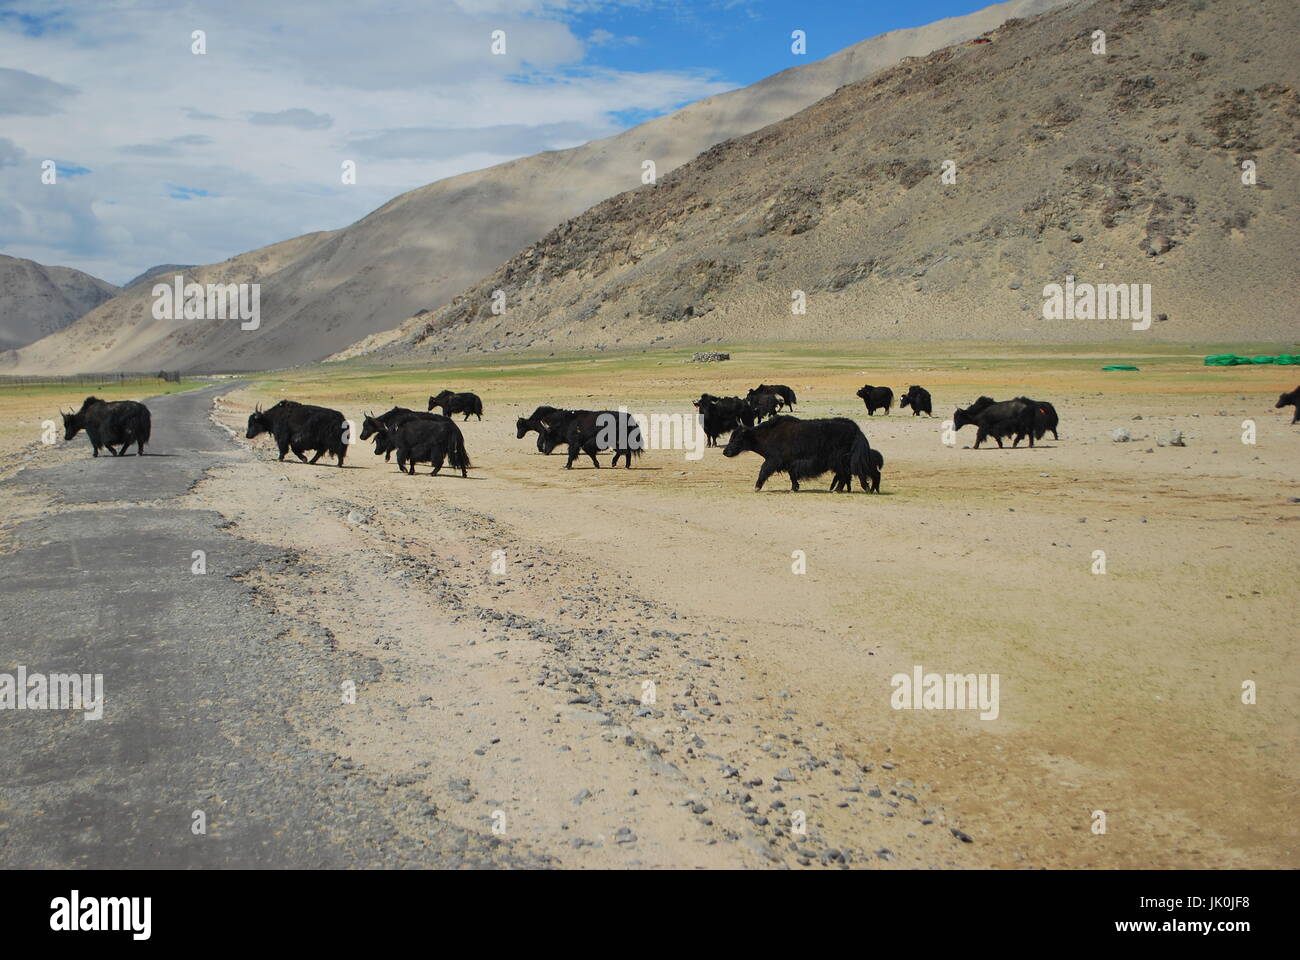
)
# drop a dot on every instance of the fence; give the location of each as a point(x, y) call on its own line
point(94, 379)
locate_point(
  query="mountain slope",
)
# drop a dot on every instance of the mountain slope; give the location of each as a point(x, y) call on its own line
point(36, 300)
point(324, 291)
point(1123, 168)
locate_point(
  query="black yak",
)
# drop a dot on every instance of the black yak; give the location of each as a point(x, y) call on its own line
point(762, 405)
point(784, 395)
point(118, 423)
point(918, 398)
point(843, 479)
point(1291, 399)
point(589, 432)
point(1010, 418)
point(537, 421)
point(719, 415)
point(1045, 417)
point(421, 440)
point(301, 427)
point(808, 448)
point(373, 426)
point(876, 398)
point(453, 403)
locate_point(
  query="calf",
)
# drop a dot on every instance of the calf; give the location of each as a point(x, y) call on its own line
point(719, 415)
point(876, 398)
point(1291, 399)
point(843, 479)
point(918, 398)
point(373, 426)
point(109, 424)
point(784, 395)
point(589, 432)
point(807, 448)
point(418, 440)
point(453, 403)
point(1010, 418)
point(301, 427)
point(537, 422)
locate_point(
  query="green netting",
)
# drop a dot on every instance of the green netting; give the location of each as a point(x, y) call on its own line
point(1119, 366)
point(1233, 360)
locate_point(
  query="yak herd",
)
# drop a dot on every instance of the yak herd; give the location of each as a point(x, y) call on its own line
point(802, 449)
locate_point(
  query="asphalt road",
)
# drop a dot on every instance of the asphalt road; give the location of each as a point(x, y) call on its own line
point(196, 689)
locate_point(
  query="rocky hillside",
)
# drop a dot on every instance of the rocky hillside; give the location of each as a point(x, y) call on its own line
point(324, 291)
point(36, 300)
point(1117, 168)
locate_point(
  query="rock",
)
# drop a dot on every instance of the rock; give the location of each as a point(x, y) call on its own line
point(710, 356)
point(964, 838)
point(784, 775)
point(1121, 435)
point(624, 835)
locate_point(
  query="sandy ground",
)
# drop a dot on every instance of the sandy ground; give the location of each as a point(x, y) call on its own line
point(1119, 692)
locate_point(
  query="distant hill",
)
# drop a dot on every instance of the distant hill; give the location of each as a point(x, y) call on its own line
point(1117, 169)
point(162, 268)
point(36, 300)
point(322, 292)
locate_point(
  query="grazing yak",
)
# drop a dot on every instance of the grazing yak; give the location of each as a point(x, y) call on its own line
point(918, 398)
point(876, 398)
point(301, 427)
point(537, 421)
point(421, 440)
point(784, 395)
point(1291, 399)
point(589, 432)
point(453, 403)
point(373, 426)
point(110, 424)
point(719, 415)
point(1009, 418)
point(804, 449)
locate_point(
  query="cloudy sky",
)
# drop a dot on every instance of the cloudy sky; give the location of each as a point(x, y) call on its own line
point(168, 156)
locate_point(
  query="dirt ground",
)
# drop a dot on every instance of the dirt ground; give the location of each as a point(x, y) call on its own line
point(523, 616)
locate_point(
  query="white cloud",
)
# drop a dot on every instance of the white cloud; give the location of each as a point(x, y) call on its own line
point(286, 91)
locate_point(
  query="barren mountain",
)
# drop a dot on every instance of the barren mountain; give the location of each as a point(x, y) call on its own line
point(324, 291)
point(37, 300)
point(1117, 168)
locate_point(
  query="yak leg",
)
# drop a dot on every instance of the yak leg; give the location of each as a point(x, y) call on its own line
point(319, 453)
point(436, 460)
point(768, 468)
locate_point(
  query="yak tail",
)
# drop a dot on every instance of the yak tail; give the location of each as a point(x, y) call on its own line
point(145, 426)
point(635, 442)
point(457, 456)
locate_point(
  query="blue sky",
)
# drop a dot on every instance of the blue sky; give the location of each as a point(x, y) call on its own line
point(166, 156)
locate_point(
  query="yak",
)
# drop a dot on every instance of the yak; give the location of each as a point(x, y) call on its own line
point(537, 421)
point(301, 427)
point(843, 479)
point(1291, 399)
point(804, 449)
point(422, 440)
point(373, 426)
point(784, 395)
point(117, 423)
point(589, 432)
point(918, 398)
point(762, 405)
point(1009, 418)
point(1045, 417)
point(453, 403)
point(719, 415)
point(876, 398)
